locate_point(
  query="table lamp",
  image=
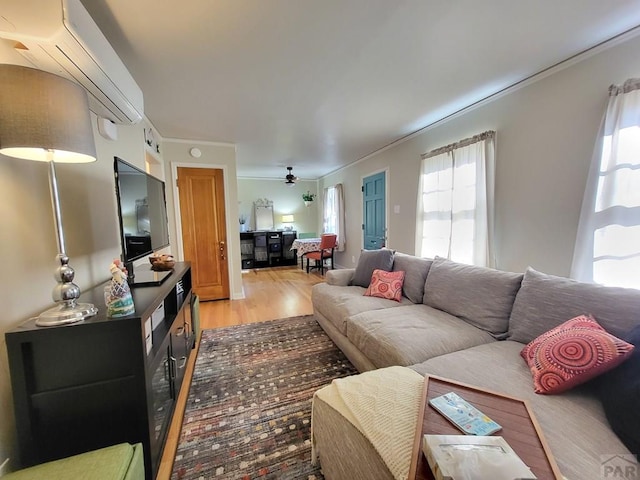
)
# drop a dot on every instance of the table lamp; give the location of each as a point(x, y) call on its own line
point(46, 118)
point(287, 220)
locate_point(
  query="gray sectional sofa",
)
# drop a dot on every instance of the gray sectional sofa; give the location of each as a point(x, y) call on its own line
point(469, 324)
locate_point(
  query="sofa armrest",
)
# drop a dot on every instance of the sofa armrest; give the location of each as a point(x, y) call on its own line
point(341, 277)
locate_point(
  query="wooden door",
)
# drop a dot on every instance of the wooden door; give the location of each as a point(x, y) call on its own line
point(373, 199)
point(204, 233)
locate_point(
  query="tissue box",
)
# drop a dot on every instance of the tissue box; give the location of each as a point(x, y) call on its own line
point(471, 457)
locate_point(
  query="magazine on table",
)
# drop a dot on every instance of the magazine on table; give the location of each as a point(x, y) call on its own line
point(463, 415)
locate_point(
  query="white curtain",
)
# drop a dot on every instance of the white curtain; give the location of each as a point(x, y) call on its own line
point(607, 247)
point(333, 214)
point(341, 230)
point(455, 204)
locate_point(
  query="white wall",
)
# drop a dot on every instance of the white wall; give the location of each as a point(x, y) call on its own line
point(286, 200)
point(545, 137)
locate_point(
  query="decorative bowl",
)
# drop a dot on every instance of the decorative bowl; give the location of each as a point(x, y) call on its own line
point(162, 262)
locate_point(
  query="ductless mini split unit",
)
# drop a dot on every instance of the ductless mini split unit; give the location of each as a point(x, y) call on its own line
point(59, 36)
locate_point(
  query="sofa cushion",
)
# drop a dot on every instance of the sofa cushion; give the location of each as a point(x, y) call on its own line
point(619, 392)
point(369, 261)
point(572, 353)
point(410, 334)
point(545, 301)
point(574, 423)
point(416, 270)
point(338, 303)
point(480, 296)
point(386, 285)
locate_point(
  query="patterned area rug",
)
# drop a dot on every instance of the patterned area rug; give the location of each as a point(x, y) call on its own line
point(248, 415)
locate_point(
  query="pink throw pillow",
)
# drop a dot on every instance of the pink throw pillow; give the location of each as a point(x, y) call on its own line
point(573, 353)
point(386, 285)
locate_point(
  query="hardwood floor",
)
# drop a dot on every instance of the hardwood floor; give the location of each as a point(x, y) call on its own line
point(270, 293)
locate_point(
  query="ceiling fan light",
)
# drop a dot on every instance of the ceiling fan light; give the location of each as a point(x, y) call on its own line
point(290, 178)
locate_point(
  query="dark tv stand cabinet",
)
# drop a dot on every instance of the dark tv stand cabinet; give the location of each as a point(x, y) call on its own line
point(100, 382)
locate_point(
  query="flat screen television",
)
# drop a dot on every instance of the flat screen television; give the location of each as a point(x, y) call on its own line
point(142, 213)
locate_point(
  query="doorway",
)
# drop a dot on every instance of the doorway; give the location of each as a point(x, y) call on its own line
point(204, 233)
point(374, 215)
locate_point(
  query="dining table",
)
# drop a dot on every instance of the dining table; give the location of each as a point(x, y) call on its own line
point(305, 245)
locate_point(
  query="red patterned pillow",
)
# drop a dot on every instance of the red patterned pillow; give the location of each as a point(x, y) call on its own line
point(572, 353)
point(386, 285)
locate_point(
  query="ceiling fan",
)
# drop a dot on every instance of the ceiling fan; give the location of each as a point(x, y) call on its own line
point(290, 178)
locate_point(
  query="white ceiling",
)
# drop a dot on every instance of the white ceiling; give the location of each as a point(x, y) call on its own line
point(317, 84)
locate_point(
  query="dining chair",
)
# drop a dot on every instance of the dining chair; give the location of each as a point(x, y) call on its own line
point(302, 236)
point(327, 245)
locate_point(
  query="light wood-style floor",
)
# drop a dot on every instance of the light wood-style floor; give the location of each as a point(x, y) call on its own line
point(270, 293)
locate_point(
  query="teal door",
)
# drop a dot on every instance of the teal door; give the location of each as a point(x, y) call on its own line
point(373, 199)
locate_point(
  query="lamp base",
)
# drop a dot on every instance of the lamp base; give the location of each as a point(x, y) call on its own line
point(63, 314)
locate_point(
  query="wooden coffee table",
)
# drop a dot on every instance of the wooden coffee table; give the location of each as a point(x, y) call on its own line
point(519, 427)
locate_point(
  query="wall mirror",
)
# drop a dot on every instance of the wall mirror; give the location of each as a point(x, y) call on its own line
point(263, 209)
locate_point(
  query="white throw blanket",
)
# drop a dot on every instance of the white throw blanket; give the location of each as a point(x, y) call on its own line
point(383, 405)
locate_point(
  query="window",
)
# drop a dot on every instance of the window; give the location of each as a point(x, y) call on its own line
point(333, 214)
point(330, 222)
point(455, 205)
point(608, 242)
